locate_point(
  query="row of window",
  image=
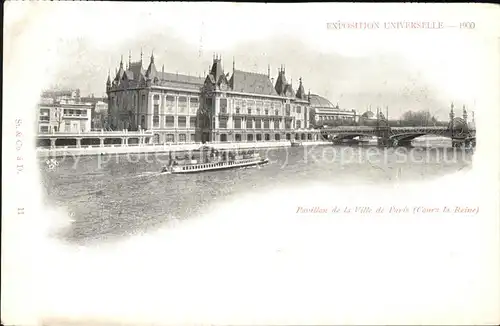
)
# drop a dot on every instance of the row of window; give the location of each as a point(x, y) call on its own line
point(266, 111)
point(69, 126)
point(46, 112)
point(258, 112)
point(182, 123)
point(265, 104)
point(182, 100)
point(169, 99)
point(170, 138)
point(170, 121)
point(75, 112)
point(259, 124)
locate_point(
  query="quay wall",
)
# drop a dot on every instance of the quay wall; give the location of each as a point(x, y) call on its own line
point(143, 149)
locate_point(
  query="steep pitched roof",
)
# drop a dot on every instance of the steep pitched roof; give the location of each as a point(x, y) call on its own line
point(119, 74)
point(249, 82)
point(167, 76)
point(129, 74)
point(217, 71)
point(281, 83)
point(136, 69)
point(300, 92)
point(180, 85)
point(289, 91)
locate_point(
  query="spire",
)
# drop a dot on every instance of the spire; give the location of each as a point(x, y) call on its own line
point(300, 91)
point(151, 73)
point(141, 55)
point(108, 82)
point(452, 114)
point(129, 58)
point(268, 70)
point(163, 70)
point(233, 65)
point(121, 62)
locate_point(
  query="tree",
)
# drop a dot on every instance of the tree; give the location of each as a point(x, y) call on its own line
point(418, 118)
point(58, 114)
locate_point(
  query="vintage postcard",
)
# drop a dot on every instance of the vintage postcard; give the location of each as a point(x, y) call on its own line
point(250, 164)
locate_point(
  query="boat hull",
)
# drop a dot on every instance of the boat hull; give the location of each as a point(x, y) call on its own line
point(207, 167)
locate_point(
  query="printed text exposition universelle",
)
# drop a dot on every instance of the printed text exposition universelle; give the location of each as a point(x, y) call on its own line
point(393, 25)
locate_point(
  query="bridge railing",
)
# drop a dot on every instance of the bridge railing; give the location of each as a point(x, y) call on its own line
point(95, 133)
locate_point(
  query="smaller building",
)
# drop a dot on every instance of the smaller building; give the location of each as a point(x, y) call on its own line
point(61, 94)
point(63, 115)
point(99, 111)
point(99, 115)
point(323, 112)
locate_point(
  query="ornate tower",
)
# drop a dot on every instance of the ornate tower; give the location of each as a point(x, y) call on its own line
point(465, 114)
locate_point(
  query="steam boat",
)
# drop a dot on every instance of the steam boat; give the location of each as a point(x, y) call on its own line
point(212, 160)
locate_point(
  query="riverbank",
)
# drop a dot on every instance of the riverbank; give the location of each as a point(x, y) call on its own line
point(118, 149)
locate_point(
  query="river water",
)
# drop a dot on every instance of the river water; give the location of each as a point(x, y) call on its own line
point(115, 196)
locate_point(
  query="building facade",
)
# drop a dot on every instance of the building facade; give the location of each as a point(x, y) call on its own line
point(236, 106)
point(63, 113)
point(99, 111)
point(323, 112)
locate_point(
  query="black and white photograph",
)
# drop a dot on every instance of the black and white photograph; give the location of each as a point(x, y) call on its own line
point(171, 163)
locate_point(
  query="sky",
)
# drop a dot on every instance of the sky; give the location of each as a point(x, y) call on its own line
point(396, 69)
